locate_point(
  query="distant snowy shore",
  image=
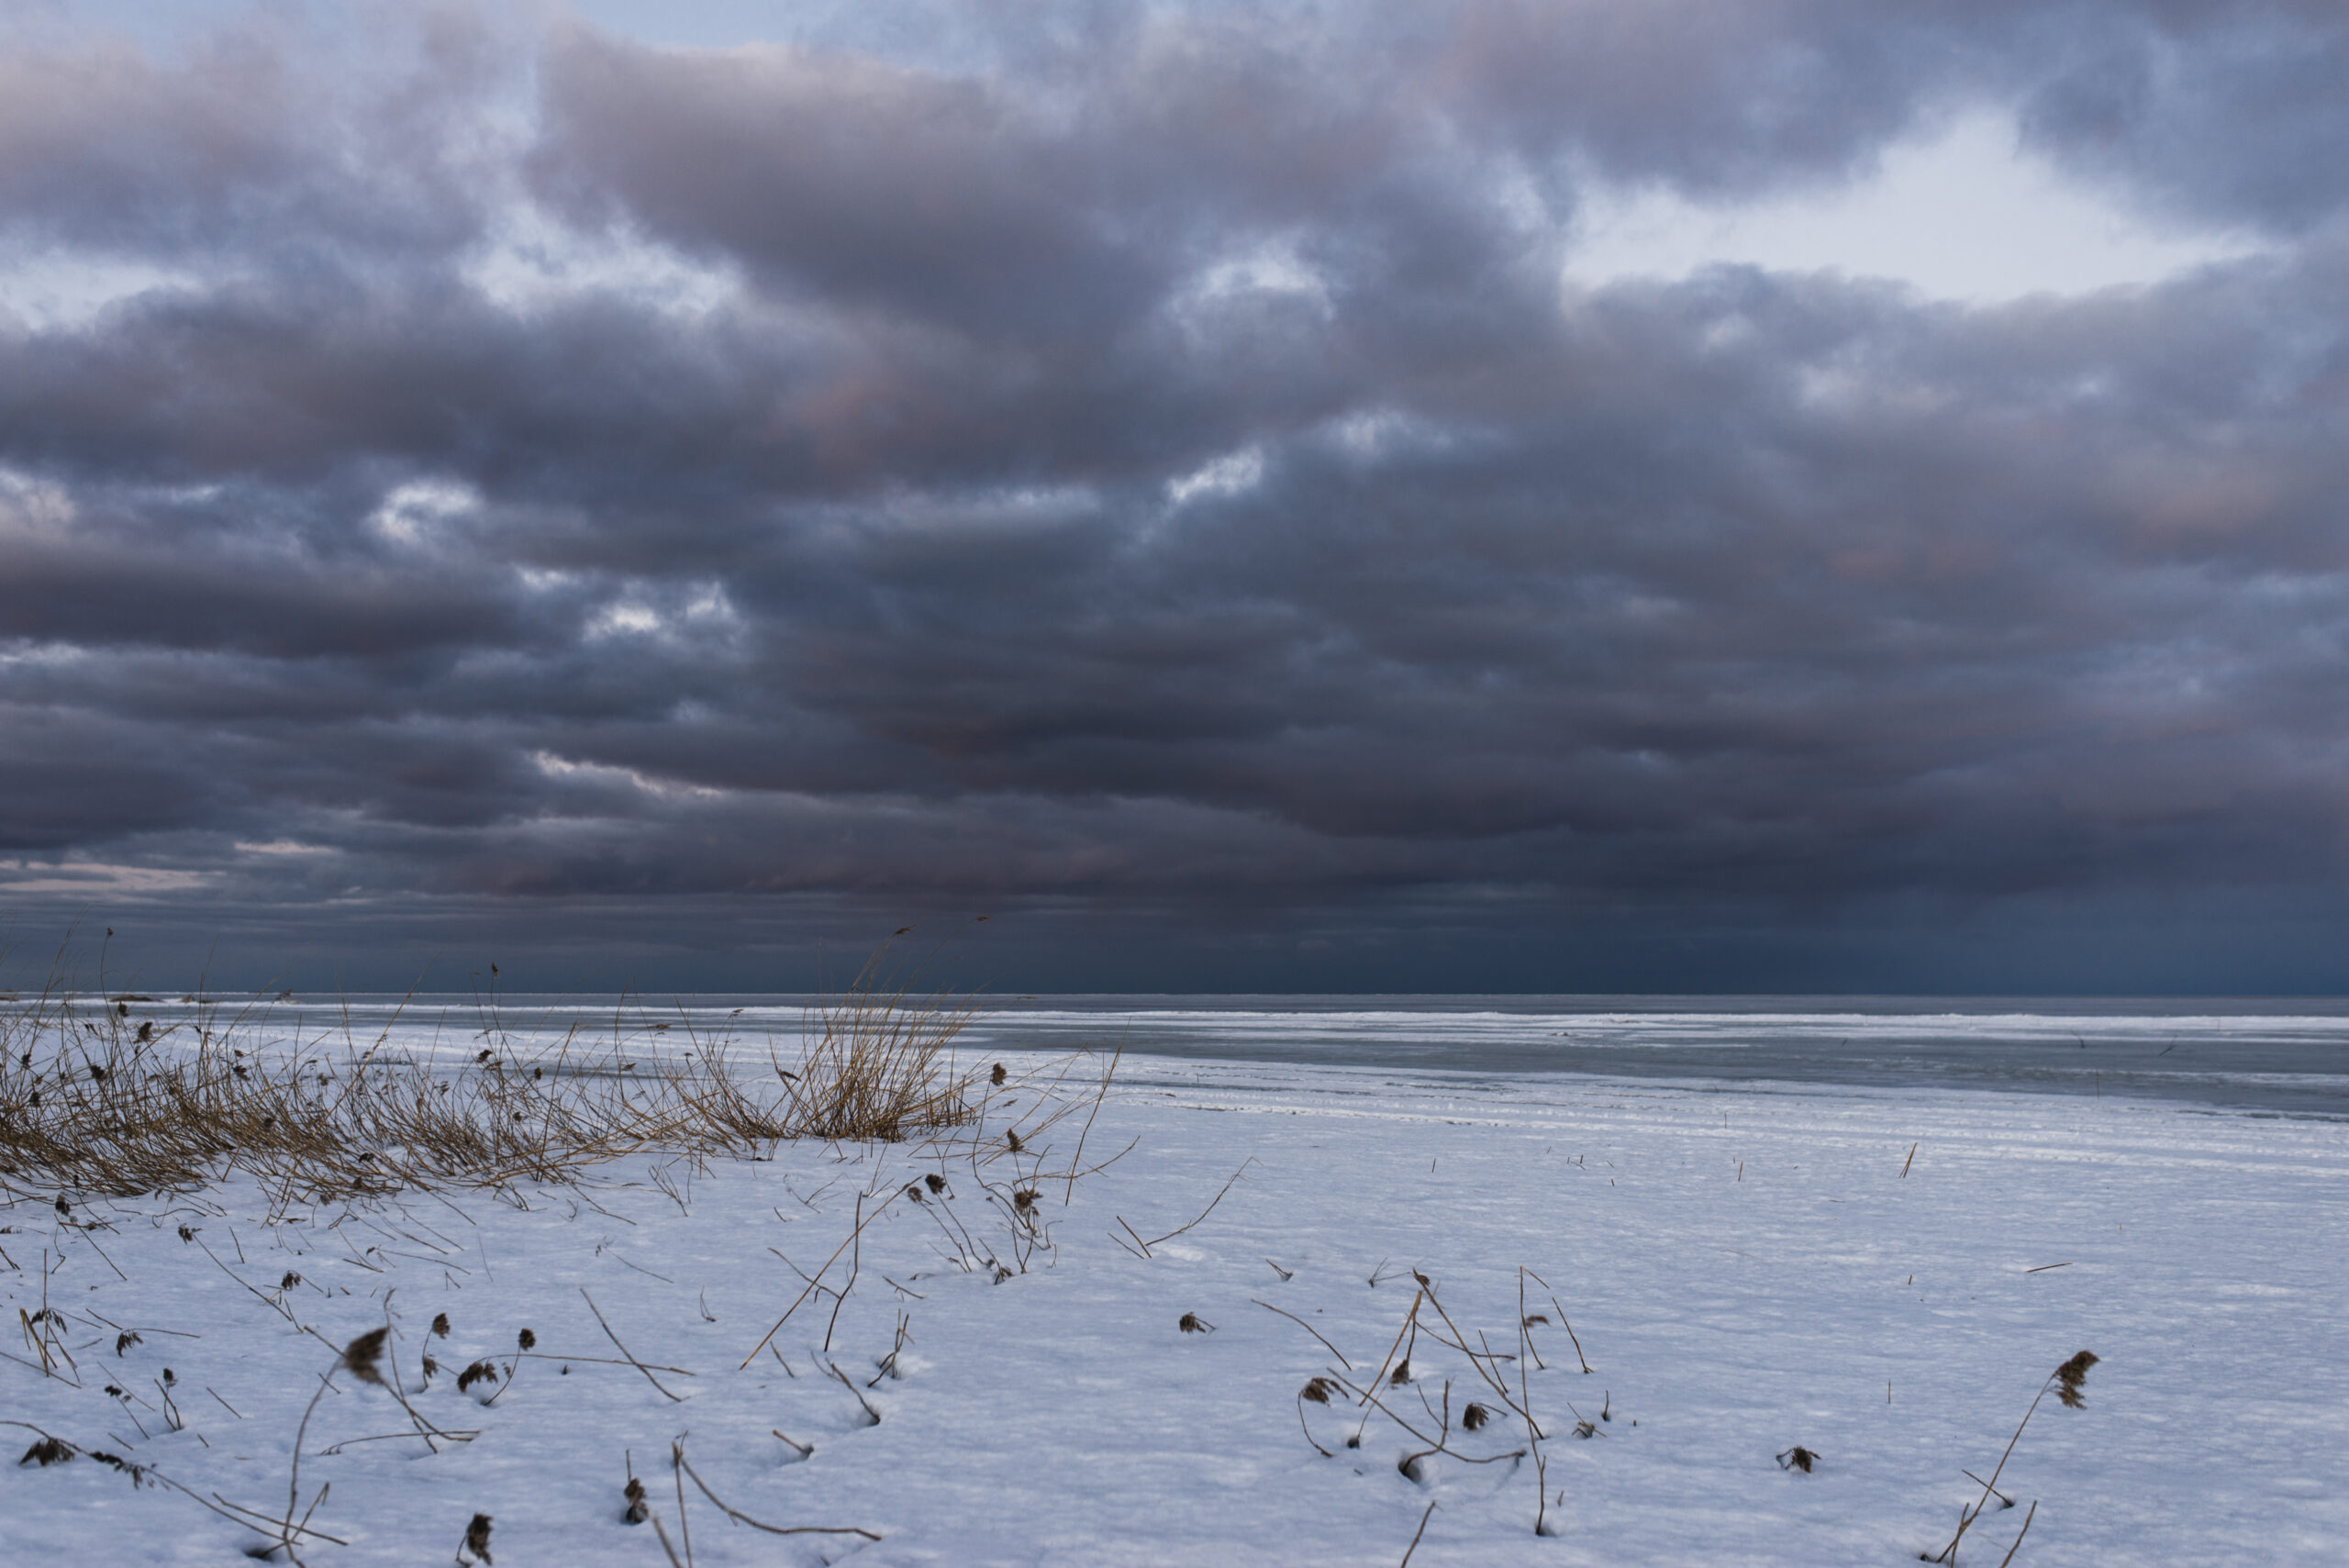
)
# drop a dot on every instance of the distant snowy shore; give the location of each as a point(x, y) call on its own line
point(1746, 1269)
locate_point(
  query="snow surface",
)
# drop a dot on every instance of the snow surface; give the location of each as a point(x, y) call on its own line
point(1745, 1266)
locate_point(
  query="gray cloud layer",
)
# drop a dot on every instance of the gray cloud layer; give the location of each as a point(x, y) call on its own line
point(1155, 473)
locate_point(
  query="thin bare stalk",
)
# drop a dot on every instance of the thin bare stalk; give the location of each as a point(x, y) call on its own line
point(673, 1398)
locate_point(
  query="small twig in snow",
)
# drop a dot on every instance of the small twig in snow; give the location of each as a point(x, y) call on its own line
point(1416, 1534)
point(640, 1366)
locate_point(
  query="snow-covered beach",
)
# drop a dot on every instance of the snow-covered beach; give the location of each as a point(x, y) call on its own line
point(1882, 1275)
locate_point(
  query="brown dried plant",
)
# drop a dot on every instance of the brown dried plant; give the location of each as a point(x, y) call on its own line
point(2070, 1377)
point(2068, 1381)
point(1398, 1368)
point(360, 1356)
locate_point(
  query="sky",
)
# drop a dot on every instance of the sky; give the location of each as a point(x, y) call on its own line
point(1664, 495)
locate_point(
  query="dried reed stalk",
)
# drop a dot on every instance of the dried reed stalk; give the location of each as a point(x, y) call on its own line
point(2067, 1381)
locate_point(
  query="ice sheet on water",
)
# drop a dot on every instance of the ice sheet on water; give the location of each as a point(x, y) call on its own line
point(2287, 1055)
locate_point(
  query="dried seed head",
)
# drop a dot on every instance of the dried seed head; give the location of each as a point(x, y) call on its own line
point(1192, 1323)
point(290, 1281)
point(360, 1356)
point(441, 1324)
point(1024, 1199)
point(1475, 1416)
point(635, 1512)
point(2071, 1376)
point(45, 1453)
point(1533, 1317)
point(1797, 1458)
point(479, 1372)
point(997, 1076)
point(168, 1378)
point(1319, 1391)
point(913, 1191)
point(477, 1536)
point(1013, 1139)
point(1402, 1373)
point(430, 1366)
point(527, 1340)
point(62, 1206)
point(934, 1182)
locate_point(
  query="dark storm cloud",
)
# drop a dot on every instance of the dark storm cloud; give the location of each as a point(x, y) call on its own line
point(1158, 467)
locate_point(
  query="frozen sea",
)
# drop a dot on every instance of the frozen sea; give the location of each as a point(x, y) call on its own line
point(2282, 1054)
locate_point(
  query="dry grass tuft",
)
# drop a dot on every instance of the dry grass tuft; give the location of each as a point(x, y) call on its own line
point(878, 1060)
point(93, 1101)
